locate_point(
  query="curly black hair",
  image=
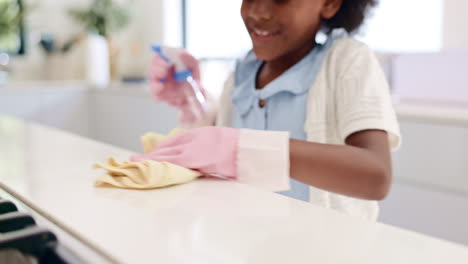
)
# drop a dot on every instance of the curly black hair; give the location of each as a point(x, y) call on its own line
point(350, 16)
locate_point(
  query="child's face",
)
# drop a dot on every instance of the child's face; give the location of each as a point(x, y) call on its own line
point(282, 27)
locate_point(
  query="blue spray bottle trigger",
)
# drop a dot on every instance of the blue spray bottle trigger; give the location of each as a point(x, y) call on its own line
point(181, 76)
point(181, 73)
point(158, 49)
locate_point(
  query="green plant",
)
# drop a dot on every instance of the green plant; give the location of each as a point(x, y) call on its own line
point(10, 17)
point(103, 17)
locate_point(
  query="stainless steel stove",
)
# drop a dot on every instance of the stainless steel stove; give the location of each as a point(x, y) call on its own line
point(27, 237)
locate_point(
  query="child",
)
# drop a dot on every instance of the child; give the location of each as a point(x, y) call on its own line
point(320, 114)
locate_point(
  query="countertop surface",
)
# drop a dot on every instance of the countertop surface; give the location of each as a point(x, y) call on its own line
point(206, 221)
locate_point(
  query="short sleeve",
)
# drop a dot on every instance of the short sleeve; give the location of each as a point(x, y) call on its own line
point(363, 98)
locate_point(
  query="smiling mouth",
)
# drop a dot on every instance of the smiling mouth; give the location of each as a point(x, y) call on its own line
point(261, 35)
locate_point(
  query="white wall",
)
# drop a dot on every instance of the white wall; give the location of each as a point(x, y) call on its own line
point(172, 25)
point(50, 16)
point(456, 24)
point(417, 27)
point(136, 40)
point(392, 27)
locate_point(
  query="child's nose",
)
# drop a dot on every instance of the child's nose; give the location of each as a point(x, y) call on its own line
point(261, 10)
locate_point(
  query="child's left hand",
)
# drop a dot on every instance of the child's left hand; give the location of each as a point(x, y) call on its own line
point(209, 150)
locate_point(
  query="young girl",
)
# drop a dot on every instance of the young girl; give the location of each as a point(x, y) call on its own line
point(320, 114)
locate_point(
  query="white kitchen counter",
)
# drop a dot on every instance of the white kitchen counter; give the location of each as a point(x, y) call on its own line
point(207, 221)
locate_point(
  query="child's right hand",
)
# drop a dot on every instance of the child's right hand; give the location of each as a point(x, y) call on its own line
point(165, 88)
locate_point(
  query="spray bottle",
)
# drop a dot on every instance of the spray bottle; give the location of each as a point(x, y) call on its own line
point(195, 97)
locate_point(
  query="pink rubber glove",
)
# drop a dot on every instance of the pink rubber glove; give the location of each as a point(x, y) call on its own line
point(209, 150)
point(165, 88)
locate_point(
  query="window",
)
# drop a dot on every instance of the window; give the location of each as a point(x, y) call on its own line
point(11, 27)
point(214, 29)
point(395, 26)
point(218, 38)
point(402, 26)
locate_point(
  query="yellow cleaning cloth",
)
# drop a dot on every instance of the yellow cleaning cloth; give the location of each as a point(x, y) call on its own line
point(147, 174)
point(150, 140)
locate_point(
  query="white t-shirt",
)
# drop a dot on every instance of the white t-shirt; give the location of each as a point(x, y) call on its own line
point(350, 94)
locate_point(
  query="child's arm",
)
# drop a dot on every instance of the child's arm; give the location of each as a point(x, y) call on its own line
point(362, 119)
point(360, 169)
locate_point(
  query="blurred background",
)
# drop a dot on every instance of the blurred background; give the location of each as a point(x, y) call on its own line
point(81, 66)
